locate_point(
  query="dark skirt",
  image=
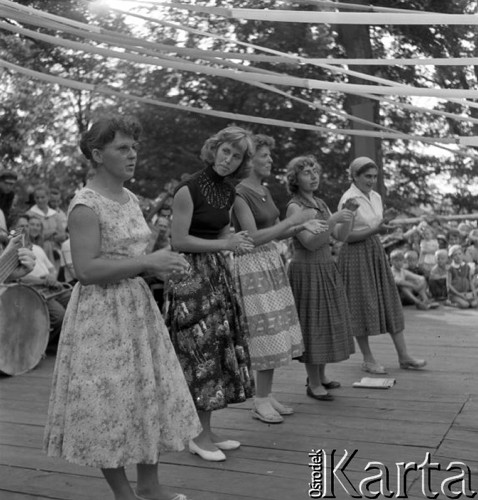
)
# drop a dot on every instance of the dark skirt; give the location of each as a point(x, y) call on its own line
point(322, 307)
point(207, 328)
point(373, 298)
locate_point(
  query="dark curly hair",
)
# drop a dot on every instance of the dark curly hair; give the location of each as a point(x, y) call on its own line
point(103, 131)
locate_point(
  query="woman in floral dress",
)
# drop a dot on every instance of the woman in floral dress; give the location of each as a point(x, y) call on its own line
point(204, 318)
point(119, 396)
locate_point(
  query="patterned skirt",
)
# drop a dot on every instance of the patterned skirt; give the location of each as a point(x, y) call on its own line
point(275, 337)
point(118, 392)
point(207, 329)
point(374, 301)
point(322, 307)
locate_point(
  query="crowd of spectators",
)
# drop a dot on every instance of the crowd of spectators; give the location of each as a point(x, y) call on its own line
point(435, 262)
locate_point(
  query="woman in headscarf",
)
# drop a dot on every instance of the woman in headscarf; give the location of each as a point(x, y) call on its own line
point(373, 298)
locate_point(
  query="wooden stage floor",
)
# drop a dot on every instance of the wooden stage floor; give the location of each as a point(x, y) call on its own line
point(434, 411)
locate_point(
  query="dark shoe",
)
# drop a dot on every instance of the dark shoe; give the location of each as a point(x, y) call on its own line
point(332, 385)
point(329, 385)
point(320, 397)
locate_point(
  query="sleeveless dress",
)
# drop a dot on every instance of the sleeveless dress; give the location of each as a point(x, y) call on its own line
point(118, 396)
point(204, 316)
point(320, 298)
point(374, 302)
point(427, 257)
point(460, 278)
point(275, 337)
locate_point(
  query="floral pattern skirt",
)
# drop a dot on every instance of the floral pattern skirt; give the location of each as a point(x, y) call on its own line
point(118, 396)
point(207, 329)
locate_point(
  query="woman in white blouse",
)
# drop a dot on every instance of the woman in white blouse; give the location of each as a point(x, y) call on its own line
point(373, 298)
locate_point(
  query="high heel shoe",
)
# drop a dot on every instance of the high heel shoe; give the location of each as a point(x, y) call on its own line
point(210, 456)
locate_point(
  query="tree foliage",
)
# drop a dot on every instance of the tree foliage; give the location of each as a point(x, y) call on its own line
point(40, 123)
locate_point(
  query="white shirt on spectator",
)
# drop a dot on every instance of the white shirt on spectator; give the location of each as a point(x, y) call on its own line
point(43, 265)
point(66, 260)
point(3, 222)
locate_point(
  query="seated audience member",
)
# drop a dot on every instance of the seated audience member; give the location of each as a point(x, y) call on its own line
point(411, 263)
point(428, 247)
point(43, 279)
point(8, 180)
point(413, 237)
point(471, 253)
point(25, 256)
point(160, 232)
point(453, 237)
point(461, 288)
point(442, 241)
point(411, 286)
point(53, 230)
point(438, 279)
point(55, 202)
point(68, 271)
point(163, 239)
point(464, 229)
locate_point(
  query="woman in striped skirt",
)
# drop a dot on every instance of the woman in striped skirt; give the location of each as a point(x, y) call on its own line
point(271, 316)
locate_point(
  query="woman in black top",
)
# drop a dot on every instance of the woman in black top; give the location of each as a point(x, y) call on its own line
point(204, 318)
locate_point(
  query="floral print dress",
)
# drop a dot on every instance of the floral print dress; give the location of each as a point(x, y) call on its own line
point(119, 395)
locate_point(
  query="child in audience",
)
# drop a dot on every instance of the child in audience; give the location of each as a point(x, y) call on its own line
point(437, 281)
point(471, 253)
point(428, 247)
point(411, 263)
point(461, 289)
point(412, 287)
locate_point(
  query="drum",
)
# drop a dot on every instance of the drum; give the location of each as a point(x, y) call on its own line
point(24, 328)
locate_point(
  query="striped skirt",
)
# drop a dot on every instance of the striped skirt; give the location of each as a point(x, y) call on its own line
point(374, 302)
point(275, 336)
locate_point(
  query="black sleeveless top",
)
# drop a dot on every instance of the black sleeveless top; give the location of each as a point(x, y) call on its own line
point(212, 197)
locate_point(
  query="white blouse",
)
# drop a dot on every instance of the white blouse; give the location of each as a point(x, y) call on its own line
point(370, 211)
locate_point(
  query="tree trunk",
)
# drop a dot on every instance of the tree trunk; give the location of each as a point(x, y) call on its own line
point(355, 40)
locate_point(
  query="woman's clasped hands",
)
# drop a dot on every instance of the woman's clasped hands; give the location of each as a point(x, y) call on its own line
point(167, 264)
point(240, 242)
point(315, 226)
point(305, 221)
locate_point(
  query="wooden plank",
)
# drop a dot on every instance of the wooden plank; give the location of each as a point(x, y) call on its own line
point(425, 412)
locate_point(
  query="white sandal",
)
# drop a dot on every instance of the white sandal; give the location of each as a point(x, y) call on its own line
point(279, 407)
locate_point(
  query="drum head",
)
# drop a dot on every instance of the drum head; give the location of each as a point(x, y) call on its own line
point(24, 328)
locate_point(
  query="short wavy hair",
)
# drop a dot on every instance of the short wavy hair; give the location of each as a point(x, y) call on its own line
point(103, 131)
point(239, 138)
point(262, 140)
point(295, 166)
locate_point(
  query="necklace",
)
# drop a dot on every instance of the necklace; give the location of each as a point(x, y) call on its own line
point(262, 193)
